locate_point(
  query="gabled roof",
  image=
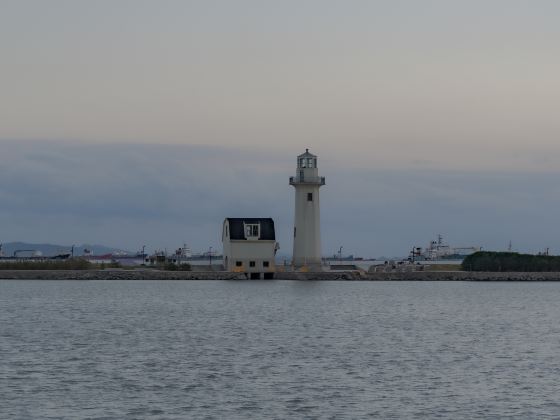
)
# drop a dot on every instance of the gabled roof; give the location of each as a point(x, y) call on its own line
point(307, 155)
point(237, 230)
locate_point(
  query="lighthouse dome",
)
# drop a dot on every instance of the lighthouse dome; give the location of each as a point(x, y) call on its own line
point(307, 154)
point(307, 160)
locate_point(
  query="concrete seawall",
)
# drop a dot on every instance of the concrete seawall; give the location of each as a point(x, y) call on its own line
point(221, 275)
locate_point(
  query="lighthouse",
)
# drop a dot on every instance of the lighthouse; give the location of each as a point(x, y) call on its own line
point(307, 226)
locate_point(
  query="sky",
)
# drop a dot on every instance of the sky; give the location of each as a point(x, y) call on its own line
point(135, 122)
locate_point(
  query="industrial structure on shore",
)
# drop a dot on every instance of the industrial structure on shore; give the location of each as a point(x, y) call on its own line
point(440, 250)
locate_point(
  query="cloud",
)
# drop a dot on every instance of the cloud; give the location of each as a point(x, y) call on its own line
point(470, 85)
point(138, 187)
point(162, 196)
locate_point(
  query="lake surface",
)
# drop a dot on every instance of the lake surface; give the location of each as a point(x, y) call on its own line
point(279, 349)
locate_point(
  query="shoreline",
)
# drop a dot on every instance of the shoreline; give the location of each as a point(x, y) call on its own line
point(304, 276)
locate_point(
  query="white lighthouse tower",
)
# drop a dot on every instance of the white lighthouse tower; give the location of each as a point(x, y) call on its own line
point(307, 227)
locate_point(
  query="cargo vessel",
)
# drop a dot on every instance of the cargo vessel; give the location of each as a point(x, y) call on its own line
point(440, 250)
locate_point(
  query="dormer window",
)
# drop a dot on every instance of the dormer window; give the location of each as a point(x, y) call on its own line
point(252, 231)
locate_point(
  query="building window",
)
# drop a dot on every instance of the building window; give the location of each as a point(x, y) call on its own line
point(265, 264)
point(252, 231)
point(251, 263)
point(302, 163)
point(294, 232)
point(238, 264)
point(310, 163)
point(309, 196)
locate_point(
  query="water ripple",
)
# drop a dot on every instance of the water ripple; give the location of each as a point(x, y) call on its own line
point(242, 350)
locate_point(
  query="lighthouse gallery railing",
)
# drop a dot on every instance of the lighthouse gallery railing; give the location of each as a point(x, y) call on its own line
point(319, 180)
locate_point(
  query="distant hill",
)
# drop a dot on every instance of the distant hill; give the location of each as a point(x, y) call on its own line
point(52, 249)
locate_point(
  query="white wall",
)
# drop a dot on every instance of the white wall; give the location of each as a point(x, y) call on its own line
point(246, 251)
point(307, 240)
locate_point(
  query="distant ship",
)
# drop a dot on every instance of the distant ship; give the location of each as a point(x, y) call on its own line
point(439, 250)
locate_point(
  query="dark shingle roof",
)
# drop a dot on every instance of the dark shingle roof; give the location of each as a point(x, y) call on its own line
point(236, 230)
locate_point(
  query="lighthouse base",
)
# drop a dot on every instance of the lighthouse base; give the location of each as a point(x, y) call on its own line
point(314, 265)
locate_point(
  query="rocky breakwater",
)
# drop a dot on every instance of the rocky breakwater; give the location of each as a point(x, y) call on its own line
point(464, 276)
point(117, 275)
point(421, 276)
point(307, 276)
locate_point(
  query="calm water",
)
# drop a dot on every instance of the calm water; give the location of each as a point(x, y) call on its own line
point(238, 350)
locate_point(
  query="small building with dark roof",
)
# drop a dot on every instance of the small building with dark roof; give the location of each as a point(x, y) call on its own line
point(250, 246)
